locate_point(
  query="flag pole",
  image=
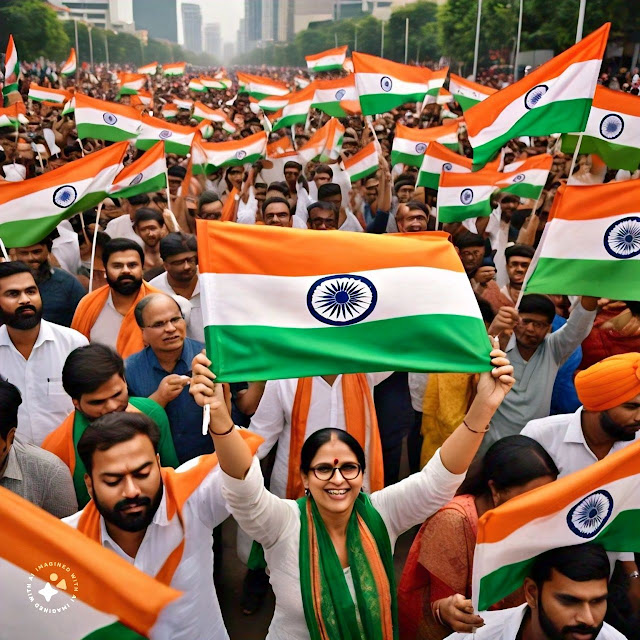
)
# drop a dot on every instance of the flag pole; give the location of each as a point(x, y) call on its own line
point(75, 28)
point(583, 6)
point(4, 250)
point(93, 242)
point(406, 40)
point(477, 45)
point(174, 220)
point(575, 155)
point(382, 41)
point(515, 62)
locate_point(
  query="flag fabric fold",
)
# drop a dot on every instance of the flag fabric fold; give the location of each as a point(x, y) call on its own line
point(325, 144)
point(260, 87)
point(362, 164)
point(439, 159)
point(528, 180)
point(13, 116)
point(147, 173)
point(11, 69)
point(465, 195)
point(131, 83)
point(468, 93)
point(177, 138)
point(410, 143)
point(149, 69)
point(329, 60)
point(48, 95)
point(296, 110)
point(174, 68)
point(337, 98)
point(69, 67)
point(208, 156)
point(105, 120)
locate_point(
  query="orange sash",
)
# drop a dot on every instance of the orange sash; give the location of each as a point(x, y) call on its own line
point(178, 487)
point(60, 442)
point(361, 422)
point(130, 336)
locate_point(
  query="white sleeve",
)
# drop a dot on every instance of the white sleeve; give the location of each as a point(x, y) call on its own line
point(304, 201)
point(247, 210)
point(268, 421)
point(207, 500)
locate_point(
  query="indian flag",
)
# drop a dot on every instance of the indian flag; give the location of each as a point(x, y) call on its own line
point(383, 85)
point(209, 156)
point(436, 82)
point(45, 94)
point(599, 504)
point(528, 180)
point(591, 244)
point(13, 116)
point(174, 68)
point(187, 105)
point(329, 60)
point(337, 98)
point(147, 173)
point(169, 110)
point(465, 195)
point(296, 110)
point(197, 86)
point(214, 83)
point(280, 146)
point(202, 112)
point(177, 138)
point(409, 143)
point(260, 87)
point(146, 97)
point(272, 103)
point(334, 302)
point(69, 106)
point(105, 120)
point(325, 144)
point(437, 160)
point(612, 131)
point(363, 163)
point(131, 83)
point(65, 586)
point(149, 69)
point(301, 82)
point(11, 69)
point(467, 93)
point(69, 67)
point(31, 209)
point(555, 98)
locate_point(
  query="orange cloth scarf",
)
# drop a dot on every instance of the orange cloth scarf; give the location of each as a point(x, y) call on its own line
point(130, 336)
point(60, 442)
point(361, 422)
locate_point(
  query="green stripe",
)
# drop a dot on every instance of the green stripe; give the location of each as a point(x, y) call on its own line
point(23, 233)
point(363, 174)
point(288, 121)
point(198, 169)
point(400, 157)
point(615, 279)
point(381, 102)
point(153, 184)
point(126, 91)
point(464, 102)
point(103, 132)
point(462, 212)
point(262, 96)
point(55, 99)
point(616, 156)
point(271, 109)
point(562, 116)
point(332, 109)
point(450, 343)
point(524, 190)
point(429, 180)
point(618, 536)
point(326, 67)
point(169, 146)
point(115, 631)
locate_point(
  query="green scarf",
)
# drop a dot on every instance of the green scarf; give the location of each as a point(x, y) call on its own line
point(328, 606)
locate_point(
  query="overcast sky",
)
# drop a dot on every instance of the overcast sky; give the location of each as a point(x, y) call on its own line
point(225, 12)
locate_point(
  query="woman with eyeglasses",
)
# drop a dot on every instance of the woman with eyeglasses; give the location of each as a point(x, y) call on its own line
point(330, 553)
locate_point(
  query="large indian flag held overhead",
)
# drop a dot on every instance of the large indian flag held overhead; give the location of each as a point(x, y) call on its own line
point(438, 159)
point(208, 156)
point(337, 98)
point(410, 143)
point(591, 244)
point(467, 93)
point(334, 302)
point(383, 84)
point(177, 138)
point(612, 131)
point(363, 163)
point(599, 504)
point(105, 120)
point(555, 98)
point(296, 110)
point(465, 195)
point(148, 173)
point(61, 585)
point(31, 209)
point(528, 180)
point(69, 67)
point(329, 60)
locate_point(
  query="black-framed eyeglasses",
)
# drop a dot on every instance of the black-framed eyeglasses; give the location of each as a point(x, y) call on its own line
point(348, 470)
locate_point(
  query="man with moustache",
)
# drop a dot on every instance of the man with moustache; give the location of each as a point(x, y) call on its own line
point(276, 212)
point(32, 353)
point(412, 217)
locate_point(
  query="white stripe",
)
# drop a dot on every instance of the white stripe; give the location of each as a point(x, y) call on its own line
point(329, 95)
point(335, 59)
point(154, 169)
point(91, 116)
point(403, 291)
point(577, 81)
point(134, 84)
point(431, 164)
point(450, 196)
point(273, 103)
point(257, 87)
point(536, 177)
point(362, 165)
point(580, 239)
point(296, 108)
point(407, 146)
point(466, 92)
point(45, 95)
point(630, 135)
point(369, 84)
point(150, 132)
point(216, 157)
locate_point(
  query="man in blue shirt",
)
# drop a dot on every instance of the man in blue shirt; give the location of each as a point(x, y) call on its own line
point(162, 371)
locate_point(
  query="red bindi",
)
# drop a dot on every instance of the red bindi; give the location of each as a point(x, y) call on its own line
point(335, 461)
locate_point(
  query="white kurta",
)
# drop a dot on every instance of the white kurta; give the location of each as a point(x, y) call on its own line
point(275, 523)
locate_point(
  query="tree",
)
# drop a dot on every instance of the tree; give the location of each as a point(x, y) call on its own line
point(36, 30)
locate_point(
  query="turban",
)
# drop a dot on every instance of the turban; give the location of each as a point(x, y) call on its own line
point(610, 382)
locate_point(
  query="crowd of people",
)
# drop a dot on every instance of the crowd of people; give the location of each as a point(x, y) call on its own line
point(104, 380)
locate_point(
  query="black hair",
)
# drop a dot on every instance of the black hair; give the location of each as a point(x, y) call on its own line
point(280, 187)
point(140, 307)
point(538, 303)
point(580, 563)
point(207, 197)
point(145, 214)
point(321, 437)
point(87, 368)
point(510, 462)
point(292, 164)
point(414, 204)
point(177, 171)
point(174, 243)
point(486, 310)
point(323, 168)
point(10, 400)
point(403, 183)
point(329, 189)
point(141, 198)
point(112, 429)
point(13, 267)
point(519, 250)
point(273, 199)
point(634, 307)
point(325, 206)
point(116, 245)
point(469, 239)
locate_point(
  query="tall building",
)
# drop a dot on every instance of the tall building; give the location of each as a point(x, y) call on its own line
point(213, 39)
point(252, 23)
point(307, 11)
point(241, 36)
point(158, 17)
point(103, 14)
point(192, 26)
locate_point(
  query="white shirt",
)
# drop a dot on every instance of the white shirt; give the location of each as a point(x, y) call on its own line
point(39, 379)
point(272, 420)
point(505, 625)
point(66, 248)
point(275, 523)
point(197, 613)
point(351, 223)
point(417, 386)
point(122, 227)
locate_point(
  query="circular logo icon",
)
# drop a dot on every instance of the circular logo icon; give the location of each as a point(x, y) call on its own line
point(587, 518)
point(466, 197)
point(136, 180)
point(421, 147)
point(241, 154)
point(534, 95)
point(447, 166)
point(164, 134)
point(64, 196)
point(340, 93)
point(611, 126)
point(341, 299)
point(622, 238)
point(109, 118)
point(60, 589)
point(518, 178)
point(386, 83)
